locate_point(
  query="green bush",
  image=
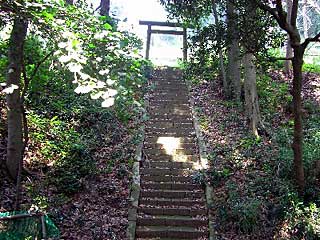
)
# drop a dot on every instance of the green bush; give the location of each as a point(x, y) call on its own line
point(272, 95)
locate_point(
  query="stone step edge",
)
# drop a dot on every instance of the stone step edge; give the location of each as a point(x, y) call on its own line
point(175, 220)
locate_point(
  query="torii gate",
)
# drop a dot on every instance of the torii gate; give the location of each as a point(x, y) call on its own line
point(172, 32)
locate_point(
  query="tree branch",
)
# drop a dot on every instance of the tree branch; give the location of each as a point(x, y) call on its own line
point(316, 38)
point(39, 64)
point(267, 8)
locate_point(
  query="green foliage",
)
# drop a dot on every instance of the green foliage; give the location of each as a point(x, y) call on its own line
point(244, 212)
point(272, 95)
point(304, 220)
point(217, 176)
point(70, 50)
point(311, 150)
point(312, 67)
point(69, 172)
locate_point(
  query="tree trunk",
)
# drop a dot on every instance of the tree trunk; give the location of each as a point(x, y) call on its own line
point(287, 63)
point(297, 104)
point(15, 55)
point(233, 68)
point(305, 19)
point(221, 61)
point(250, 90)
point(105, 7)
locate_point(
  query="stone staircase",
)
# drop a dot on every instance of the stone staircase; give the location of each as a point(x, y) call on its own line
point(171, 205)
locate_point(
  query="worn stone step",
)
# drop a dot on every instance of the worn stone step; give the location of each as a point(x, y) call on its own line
point(156, 128)
point(181, 179)
point(177, 151)
point(172, 116)
point(173, 158)
point(169, 117)
point(169, 111)
point(170, 93)
point(167, 81)
point(170, 104)
point(170, 186)
point(166, 164)
point(175, 109)
point(200, 203)
point(171, 221)
point(169, 144)
point(169, 124)
point(164, 171)
point(169, 232)
point(176, 97)
point(171, 194)
point(172, 211)
point(169, 114)
point(170, 88)
point(153, 102)
point(180, 140)
point(177, 134)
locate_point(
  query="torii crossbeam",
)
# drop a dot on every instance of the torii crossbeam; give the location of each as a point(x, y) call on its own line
point(172, 32)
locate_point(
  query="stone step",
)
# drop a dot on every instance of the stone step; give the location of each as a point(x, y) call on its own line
point(169, 111)
point(164, 171)
point(172, 211)
point(173, 158)
point(175, 109)
point(170, 186)
point(166, 164)
point(176, 134)
point(163, 104)
point(200, 203)
point(169, 114)
point(167, 101)
point(184, 128)
point(171, 221)
point(176, 97)
point(169, 232)
point(172, 87)
point(177, 151)
point(167, 81)
point(168, 94)
point(162, 145)
point(171, 194)
point(175, 116)
point(183, 140)
point(180, 179)
point(170, 124)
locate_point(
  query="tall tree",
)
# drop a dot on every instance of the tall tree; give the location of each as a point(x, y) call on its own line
point(221, 58)
point(233, 67)
point(105, 7)
point(15, 135)
point(287, 63)
point(278, 12)
point(249, 41)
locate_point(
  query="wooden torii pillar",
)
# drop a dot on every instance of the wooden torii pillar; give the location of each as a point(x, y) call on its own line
point(172, 32)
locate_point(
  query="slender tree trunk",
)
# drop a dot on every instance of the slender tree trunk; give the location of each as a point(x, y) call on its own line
point(105, 7)
point(233, 68)
point(221, 61)
point(250, 90)
point(15, 143)
point(289, 53)
point(298, 129)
